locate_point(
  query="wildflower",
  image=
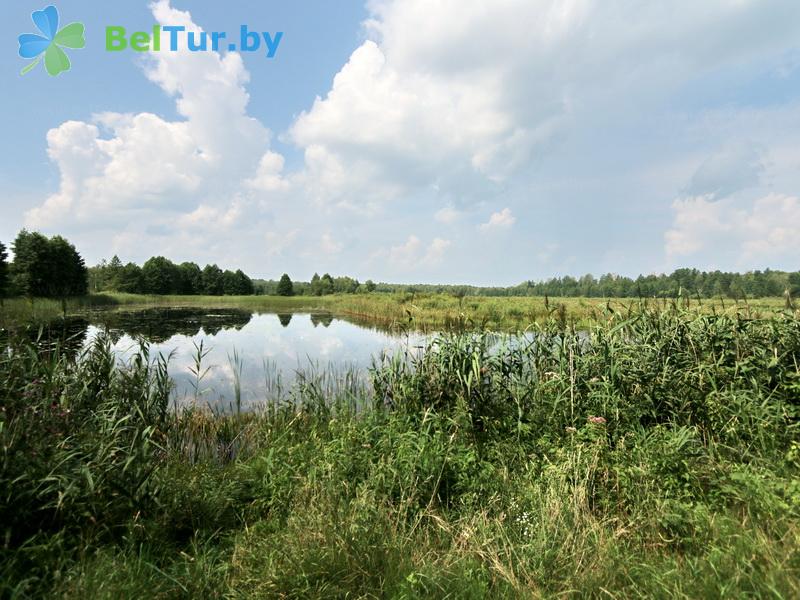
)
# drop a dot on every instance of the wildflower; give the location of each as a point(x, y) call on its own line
point(597, 420)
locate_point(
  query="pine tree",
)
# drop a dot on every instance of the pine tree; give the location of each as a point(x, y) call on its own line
point(246, 286)
point(285, 287)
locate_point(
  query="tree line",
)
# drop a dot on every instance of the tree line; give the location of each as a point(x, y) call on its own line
point(159, 275)
point(51, 267)
point(43, 267)
point(682, 282)
point(318, 286)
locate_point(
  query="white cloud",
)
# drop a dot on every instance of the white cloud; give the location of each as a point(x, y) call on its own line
point(277, 243)
point(458, 93)
point(120, 165)
point(584, 112)
point(436, 251)
point(499, 220)
point(415, 254)
point(329, 245)
point(269, 177)
point(204, 214)
point(406, 254)
point(748, 235)
point(448, 215)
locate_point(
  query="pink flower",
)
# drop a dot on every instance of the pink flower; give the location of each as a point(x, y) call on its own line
point(597, 420)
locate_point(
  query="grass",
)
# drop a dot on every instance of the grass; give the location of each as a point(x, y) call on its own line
point(442, 311)
point(417, 311)
point(24, 311)
point(652, 455)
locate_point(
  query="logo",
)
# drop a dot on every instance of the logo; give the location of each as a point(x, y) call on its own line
point(50, 43)
point(177, 38)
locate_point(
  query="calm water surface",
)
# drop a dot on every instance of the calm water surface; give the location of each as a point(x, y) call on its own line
point(265, 353)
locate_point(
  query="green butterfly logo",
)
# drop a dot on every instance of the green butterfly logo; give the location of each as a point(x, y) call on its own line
point(32, 45)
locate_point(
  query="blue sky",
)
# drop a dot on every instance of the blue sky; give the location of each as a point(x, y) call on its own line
point(408, 141)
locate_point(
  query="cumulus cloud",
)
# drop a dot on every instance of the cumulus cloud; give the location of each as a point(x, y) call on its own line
point(448, 215)
point(726, 217)
point(435, 252)
point(499, 220)
point(119, 165)
point(329, 245)
point(463, 92)
point(415, 254)
point(750, 235)
point(269, 176)
point(467, 105)
point(204, 214)
point(278, 242)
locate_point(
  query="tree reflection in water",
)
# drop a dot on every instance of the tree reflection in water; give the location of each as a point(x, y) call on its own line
point(324, 319)
point(157, 325)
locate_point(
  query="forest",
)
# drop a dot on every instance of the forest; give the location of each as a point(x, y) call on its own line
point(53, 268)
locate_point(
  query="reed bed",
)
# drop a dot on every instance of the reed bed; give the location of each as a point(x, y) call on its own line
point(654, 454)
point(419, 311)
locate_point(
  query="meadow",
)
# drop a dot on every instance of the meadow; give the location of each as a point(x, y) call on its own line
point(653, 452)
point(426, 311)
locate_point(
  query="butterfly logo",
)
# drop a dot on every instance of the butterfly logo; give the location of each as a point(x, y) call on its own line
point(51, 42)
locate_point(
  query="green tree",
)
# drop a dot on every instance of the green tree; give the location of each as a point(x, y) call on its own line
point(130, 279)
point(315, 287)
point(50, 268)
point(30, 269)
point(112, 272)
point(326, 285)
point(794, 284)
point(98, 276)
point(285, 287)
point(345, 285)
point(68, 271)
point(190, 279)
point(237, 284)
point(246, 286)
point(369, 285)
point(160, 276)
point(230, 283)
point(213, 284)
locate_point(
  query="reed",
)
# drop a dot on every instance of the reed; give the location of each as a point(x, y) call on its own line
point(652, 454)
point(426, 312)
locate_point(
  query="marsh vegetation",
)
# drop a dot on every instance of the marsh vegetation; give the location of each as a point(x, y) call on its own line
point(653, 454)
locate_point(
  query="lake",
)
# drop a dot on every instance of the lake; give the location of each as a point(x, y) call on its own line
point(259, 354)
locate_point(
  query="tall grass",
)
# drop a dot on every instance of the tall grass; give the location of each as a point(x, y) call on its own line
point(655, 454)
point(429, 312)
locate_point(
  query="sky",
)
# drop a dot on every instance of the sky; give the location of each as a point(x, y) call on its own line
point(416, 141)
